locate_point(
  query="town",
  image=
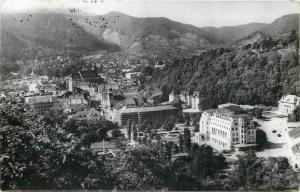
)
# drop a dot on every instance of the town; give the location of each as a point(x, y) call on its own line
point(90, 95)
point(97, 99)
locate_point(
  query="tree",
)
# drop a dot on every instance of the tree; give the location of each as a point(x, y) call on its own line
point(134, 131)
point(128, 130)
point(89, 131)
point(33, 158)
point(116, 133)
point(181, 143)
point(175, 149)
point(261, 138)
point(147, 71)
point(187, 139)
point(180, 117)
point(168, 125)
point(295, 116)
point(257, 112)
point(229, 75)
point(187, 119)
point(137, 169)
point(293, 36)
point(247, 167)
point(205, 162)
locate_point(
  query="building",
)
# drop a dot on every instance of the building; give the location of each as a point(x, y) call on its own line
point(195, 101)
point(244, 107)
point(73, 104)
point(225, 130)
point(34, 87)
point(90, 77)
point(192, 100)
point(132, 75)
point(42, 104)
point(153, 114)
point(287, 104)
point(173, 97)
point(157, 66)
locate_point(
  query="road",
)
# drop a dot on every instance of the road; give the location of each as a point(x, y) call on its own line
point(278, 146)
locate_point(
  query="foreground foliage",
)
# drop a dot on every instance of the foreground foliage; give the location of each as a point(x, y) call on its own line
point(47, 152)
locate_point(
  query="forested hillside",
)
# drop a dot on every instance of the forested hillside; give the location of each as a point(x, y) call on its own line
point(24, 35)
point(245, 76)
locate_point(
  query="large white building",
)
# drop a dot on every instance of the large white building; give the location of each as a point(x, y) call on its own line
point(225, 130)
point(288, 103)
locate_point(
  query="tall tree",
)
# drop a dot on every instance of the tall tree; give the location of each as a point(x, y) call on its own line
point(187, 139)
point(181, 143)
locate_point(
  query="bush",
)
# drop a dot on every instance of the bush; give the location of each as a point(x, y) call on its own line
point(261, 138)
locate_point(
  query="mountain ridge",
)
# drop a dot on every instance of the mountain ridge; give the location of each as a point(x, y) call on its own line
point(115, 31)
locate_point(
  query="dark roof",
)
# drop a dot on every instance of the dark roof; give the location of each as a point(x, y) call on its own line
point(88, 76)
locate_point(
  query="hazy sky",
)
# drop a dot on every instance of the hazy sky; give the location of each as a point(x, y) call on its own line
point(197, 12)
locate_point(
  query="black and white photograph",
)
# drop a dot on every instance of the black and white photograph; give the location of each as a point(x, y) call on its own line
point(149, 95)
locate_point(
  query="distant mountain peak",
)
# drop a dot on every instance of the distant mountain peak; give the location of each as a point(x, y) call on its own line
point(116, 14)
point(152, 35)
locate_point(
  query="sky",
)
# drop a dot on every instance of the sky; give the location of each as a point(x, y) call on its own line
point(200, 13)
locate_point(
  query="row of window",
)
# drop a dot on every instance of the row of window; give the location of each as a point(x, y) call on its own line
point(219, 142)
point(222, 117)
point(235, 139)
point(219, 132)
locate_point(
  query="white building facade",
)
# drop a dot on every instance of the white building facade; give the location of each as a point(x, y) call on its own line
point(287, 104)
point(224, 130)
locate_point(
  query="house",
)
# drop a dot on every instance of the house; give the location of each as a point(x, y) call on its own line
point(157, 66)
point(183, 96)
point(287, 104)
point(132, 75)
point(173, 97)
point(192, 101)
point(195, 101)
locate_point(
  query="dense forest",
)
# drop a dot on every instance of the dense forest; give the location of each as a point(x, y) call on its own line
point(248, 75)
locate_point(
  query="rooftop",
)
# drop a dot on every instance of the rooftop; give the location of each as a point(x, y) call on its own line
point(40, 99)
point(148, 109)
point(229, 112)
point(88, 76)
point(290, 99)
